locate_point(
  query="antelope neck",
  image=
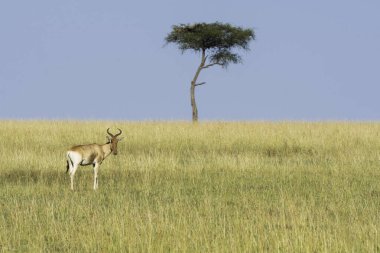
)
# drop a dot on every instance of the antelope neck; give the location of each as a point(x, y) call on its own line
point(107, 149)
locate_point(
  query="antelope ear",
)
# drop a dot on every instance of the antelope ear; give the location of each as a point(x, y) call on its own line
point(119, 139)
point(108, 138)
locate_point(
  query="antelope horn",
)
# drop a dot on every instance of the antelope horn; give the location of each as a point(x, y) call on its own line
point(109, 132)
point(118, 133)
point(115, 134)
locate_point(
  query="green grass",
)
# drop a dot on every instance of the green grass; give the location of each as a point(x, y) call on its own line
point(175, 186)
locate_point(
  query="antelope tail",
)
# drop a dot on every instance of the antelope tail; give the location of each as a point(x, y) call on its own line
point(67, 163)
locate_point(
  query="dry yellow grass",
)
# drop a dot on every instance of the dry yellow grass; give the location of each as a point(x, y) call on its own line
point(209, 187)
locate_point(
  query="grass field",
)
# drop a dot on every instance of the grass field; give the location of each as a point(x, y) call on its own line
point(179, 187)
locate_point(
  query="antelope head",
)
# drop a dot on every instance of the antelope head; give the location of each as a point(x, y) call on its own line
point(113, 140)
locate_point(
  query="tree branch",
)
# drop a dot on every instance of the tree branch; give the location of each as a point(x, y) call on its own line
point(212, 64)
point(197, 84)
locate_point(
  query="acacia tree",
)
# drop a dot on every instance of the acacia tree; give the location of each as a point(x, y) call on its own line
point(217, 43)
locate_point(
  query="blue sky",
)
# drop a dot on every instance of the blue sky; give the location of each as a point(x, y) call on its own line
point(311, 60)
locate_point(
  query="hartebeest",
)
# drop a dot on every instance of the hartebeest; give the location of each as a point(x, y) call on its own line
point(91, 154)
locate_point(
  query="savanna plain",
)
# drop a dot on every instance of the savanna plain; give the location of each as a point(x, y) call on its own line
point(183, 187)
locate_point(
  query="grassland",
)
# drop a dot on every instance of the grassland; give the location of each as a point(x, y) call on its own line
point(179, 187)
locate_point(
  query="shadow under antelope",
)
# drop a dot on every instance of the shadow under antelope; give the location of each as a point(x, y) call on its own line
point(91, 154)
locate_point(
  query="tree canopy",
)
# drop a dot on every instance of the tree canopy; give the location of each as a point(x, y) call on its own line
point(219, 40)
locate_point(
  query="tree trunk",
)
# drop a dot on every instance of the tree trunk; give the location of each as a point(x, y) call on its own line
point(192, 88)
point(193, 103)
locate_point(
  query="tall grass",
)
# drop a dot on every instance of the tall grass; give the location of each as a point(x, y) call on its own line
point(176, 186)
